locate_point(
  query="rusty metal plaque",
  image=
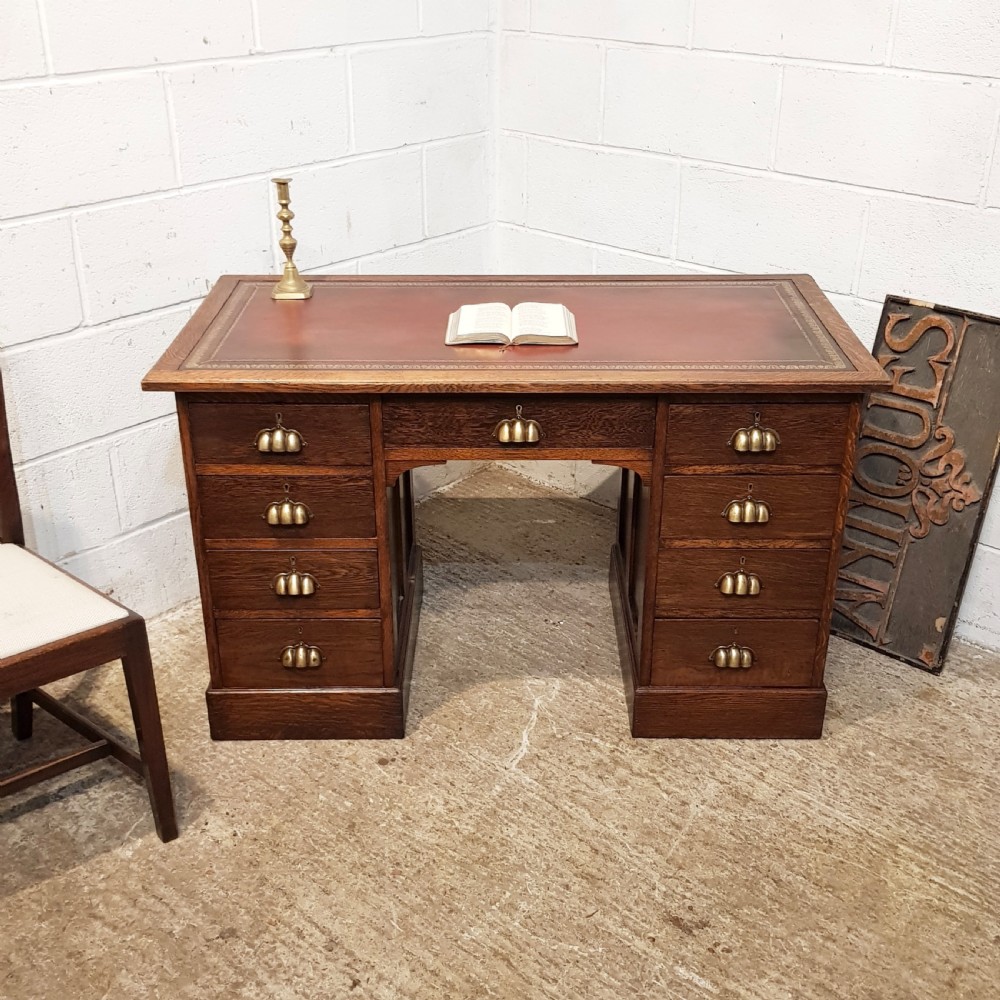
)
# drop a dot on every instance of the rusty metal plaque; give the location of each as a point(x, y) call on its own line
point(926, 460)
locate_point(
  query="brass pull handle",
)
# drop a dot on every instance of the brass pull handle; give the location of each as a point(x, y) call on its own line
point(732, 657)
point(279, 439)
point(740, 583)
point(755, 438)
point(518, 430)
point(301, 656)
point(294, 584)
point(287, 513)
point(747, 510)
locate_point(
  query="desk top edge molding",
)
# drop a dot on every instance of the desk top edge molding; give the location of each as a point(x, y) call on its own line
point(859, 373)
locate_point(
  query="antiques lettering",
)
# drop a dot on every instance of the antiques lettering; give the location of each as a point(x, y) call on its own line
point(909, 474)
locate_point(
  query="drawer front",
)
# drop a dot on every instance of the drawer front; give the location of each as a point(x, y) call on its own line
point(779, 506)
point(237, 506)
point(332, 433)
point(248, 580)
point(808, 433)
point(781, 653)
point(563, 422)
point(790, 580)
point(250, 653)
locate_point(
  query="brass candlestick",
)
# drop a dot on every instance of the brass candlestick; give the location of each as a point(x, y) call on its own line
point(291, 285)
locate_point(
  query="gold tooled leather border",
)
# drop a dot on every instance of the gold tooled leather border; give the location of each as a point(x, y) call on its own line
point(829, 355)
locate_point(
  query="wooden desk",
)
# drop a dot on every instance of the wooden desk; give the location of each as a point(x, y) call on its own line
point(668, 370)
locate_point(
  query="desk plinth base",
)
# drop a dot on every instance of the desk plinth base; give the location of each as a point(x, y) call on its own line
point(307, 714)
point(704, 713)
point(326, 713)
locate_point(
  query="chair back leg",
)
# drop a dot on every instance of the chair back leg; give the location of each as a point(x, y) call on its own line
point(138, 669)
point(21, 716)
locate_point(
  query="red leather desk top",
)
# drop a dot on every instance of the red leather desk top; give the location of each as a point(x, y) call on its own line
point(767, 333)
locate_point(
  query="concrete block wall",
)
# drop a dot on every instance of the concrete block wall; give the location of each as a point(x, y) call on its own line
point(857, 141)
point(137, 152)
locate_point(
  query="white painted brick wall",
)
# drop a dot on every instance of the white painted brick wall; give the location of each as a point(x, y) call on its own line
point(857, 141)
point(82, 142)
point(236, 118)
point(428, 90)
point(853, 31)
point(898, 132)
point(84, 35)
point(657, 22)
point(306, 24)
point(617, 198)
point(771, 223)
point(551, 87)
point(22, 50)
point(137, 152)
point(704, 106)
point(451, 206)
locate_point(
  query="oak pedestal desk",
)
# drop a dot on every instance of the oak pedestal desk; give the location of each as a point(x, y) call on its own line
point(731, 406)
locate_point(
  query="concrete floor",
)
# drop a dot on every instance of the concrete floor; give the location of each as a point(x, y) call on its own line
point(518, 843)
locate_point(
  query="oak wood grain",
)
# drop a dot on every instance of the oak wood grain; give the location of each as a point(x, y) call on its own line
point(667, 369)
point(233, 506)
point(784, 652)
point(335, 433)
point(616, 422)
point(306, 714)
point(792, 580)
point(241, 580)
point(251, 653)
point(730, 714)
point(800, 506)
point(811, 433)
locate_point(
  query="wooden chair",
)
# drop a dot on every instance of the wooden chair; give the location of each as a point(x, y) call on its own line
point(53, 626)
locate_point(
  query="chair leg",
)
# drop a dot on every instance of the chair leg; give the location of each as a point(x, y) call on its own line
point(141, 686)
point(21, 715)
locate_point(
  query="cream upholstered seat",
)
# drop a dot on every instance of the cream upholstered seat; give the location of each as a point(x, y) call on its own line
point(40, 604)
point(53, 626)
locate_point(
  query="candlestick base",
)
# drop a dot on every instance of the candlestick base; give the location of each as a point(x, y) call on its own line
point(291, 285)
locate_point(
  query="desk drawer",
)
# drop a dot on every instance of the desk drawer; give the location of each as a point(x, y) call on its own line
point(341, 506)
point(807, 433)
point(250, 653)
point(781, 653)
point(244, 580)
point(563, 422)
point(791, 580)
point(330, 433)
point(794, 506)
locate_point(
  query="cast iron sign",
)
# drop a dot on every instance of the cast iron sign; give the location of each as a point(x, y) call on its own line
point(926, 458)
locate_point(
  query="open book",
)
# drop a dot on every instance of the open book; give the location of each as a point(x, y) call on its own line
point(497, 323)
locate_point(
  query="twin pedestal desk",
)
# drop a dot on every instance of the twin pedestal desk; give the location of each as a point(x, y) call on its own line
point(731, 405)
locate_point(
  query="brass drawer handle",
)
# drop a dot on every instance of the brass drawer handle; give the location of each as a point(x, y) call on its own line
point(301, 656)
point(294, 583)
point(740, 583)
point(287, 513)
point(732, 657)
point(279, 439)
point(748, 510)
point(755, 438)
point(518, 430)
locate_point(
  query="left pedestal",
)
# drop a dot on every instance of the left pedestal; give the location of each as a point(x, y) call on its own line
point(310, 581)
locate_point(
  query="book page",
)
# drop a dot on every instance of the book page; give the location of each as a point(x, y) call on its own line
point(541, 320)
point(484, 318)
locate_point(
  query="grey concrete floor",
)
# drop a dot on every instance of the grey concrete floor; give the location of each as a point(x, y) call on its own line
point(518, 843)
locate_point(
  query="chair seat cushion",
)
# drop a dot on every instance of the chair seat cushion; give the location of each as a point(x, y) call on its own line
point(40, 604)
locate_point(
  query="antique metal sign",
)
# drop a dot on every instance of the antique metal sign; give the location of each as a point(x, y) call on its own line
point(926, 459)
